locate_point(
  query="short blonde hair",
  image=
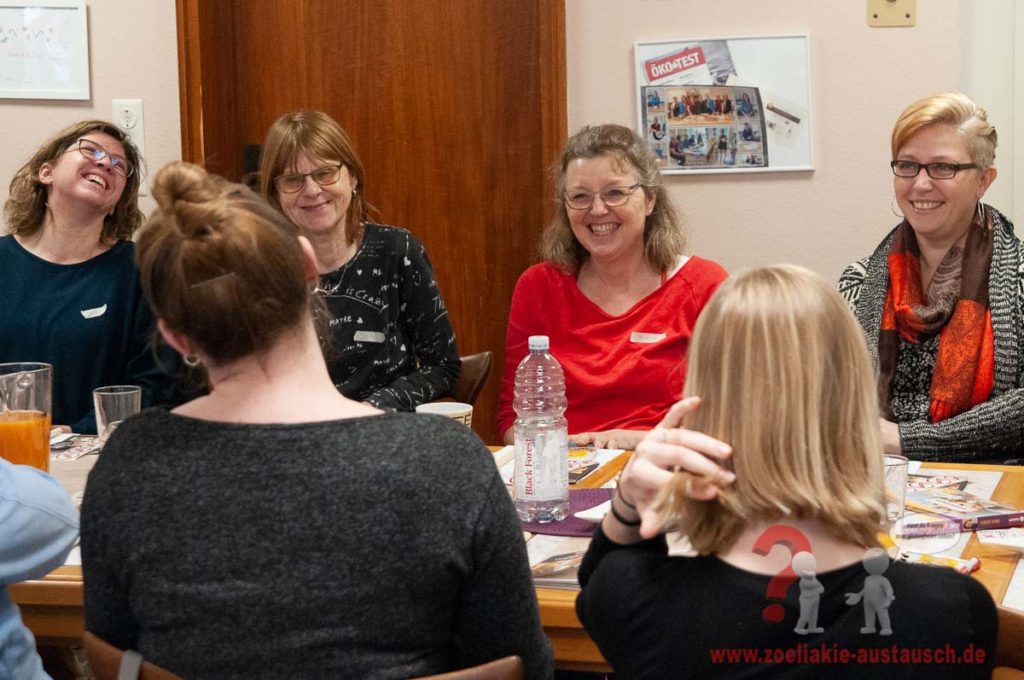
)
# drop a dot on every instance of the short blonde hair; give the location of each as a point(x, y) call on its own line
point(26, 204)
point(949, 108)
point(783, 371)
point(664, 238)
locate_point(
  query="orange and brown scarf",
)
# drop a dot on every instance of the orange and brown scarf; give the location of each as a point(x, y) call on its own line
point(957, 308)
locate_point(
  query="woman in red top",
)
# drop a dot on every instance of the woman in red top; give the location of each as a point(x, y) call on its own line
point(615, 294)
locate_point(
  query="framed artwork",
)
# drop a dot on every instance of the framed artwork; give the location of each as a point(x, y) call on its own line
point(44, 50)
point(726, 104)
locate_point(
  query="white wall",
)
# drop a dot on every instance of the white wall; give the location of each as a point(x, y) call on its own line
point(992, 72)
point(134, 55)
point(861, 79)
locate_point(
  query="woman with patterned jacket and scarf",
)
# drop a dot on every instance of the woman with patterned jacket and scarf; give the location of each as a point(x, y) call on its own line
point(941, 300)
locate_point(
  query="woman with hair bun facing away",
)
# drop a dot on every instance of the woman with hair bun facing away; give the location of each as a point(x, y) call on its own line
point(275, 528)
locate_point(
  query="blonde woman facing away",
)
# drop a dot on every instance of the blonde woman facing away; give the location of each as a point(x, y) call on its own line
point(778, 368)
point(275, 528)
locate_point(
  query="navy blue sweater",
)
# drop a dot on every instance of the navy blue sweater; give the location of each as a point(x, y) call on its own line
point(90, 320)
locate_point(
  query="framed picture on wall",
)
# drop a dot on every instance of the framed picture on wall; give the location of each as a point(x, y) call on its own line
point(44, 50)
point(726, 104)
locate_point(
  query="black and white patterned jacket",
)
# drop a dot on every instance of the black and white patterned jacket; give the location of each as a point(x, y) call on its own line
point(989, 432)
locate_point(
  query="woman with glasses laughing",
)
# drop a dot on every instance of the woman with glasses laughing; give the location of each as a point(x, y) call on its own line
point(391, 343)
point(615, 294)
point(71, 294)
point(941, 299)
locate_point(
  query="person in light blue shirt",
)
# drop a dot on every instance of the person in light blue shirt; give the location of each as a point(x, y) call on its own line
point(38, 527)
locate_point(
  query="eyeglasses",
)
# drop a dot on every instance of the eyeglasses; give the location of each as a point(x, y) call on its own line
point(934, 170)
point(325, 176)
point(612, 197)
point(95, 152)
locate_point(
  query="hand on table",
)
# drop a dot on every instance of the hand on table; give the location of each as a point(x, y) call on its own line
point(609, 439)
point(890, 436)
point(664, 450)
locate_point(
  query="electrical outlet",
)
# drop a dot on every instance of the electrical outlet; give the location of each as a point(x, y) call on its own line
point(892, 13)
point(127, 115)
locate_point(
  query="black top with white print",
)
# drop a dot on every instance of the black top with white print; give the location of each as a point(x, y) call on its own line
point(392, 343)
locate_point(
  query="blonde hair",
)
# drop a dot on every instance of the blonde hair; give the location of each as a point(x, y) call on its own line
point(25, 208)
point(783, 371)
point(664, 239)
point(219, 264)
point(949, 108)
point(316, 134)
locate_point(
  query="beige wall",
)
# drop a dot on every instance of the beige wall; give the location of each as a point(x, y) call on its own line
point(861, 78)
point(134, 55)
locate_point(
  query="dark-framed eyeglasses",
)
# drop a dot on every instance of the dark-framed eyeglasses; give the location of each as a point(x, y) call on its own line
point(95, 152)
point(934, 170)
point(324, 176)
point(612, 197)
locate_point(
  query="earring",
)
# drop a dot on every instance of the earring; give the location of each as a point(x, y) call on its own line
point(191, 360)
point(981, 213)
point(892, 206)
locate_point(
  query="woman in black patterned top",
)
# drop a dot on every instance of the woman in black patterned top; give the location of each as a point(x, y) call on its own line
point(392, 343)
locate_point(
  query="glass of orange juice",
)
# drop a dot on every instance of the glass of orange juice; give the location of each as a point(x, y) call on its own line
point(25, 413)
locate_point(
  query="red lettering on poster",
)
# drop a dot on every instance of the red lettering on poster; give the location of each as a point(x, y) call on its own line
point(670, 64)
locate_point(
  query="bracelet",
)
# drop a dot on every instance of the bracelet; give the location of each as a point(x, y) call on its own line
point(622, 520)
point(618, 492)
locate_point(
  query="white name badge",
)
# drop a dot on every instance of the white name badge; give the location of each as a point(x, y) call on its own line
point(646, 338)
point(368, 336)
point(94, 313)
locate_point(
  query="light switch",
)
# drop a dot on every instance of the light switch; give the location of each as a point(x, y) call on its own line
point(892, 12)
point(127, 115)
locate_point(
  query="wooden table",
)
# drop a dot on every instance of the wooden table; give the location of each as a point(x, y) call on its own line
point(52, 606)
point(575, 650)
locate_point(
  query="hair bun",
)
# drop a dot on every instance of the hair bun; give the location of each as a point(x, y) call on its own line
point(192, 196)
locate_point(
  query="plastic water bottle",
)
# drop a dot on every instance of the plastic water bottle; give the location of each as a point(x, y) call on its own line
point(541, 482)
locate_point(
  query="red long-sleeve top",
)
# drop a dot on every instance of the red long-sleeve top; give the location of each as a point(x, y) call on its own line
point(621, 371)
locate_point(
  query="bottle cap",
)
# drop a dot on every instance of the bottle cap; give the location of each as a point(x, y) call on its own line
point(539, 342)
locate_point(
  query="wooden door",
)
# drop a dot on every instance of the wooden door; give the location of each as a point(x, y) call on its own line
point(457, 108)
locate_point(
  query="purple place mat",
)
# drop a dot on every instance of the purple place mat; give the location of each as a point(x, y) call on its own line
point(579, 500)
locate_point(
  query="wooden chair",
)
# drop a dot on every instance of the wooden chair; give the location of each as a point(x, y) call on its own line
point(1010, 645)
point(110, 663)
point(475, 369)
point(508, 668)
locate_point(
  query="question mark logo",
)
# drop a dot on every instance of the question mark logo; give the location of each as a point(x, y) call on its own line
point(796, 542)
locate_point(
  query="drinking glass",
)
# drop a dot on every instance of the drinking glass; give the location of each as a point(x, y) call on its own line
point(896, 468)
point(25, 413)
point(113, 404)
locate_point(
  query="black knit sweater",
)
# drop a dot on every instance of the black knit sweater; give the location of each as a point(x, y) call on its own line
point(375, 547)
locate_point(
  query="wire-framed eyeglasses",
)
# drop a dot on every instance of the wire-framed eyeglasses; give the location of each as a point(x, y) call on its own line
point(324, 176)
point(934, 170)
point(95, 152)
point(612, 197)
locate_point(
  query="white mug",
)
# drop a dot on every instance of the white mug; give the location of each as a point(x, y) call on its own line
point(452, 409)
